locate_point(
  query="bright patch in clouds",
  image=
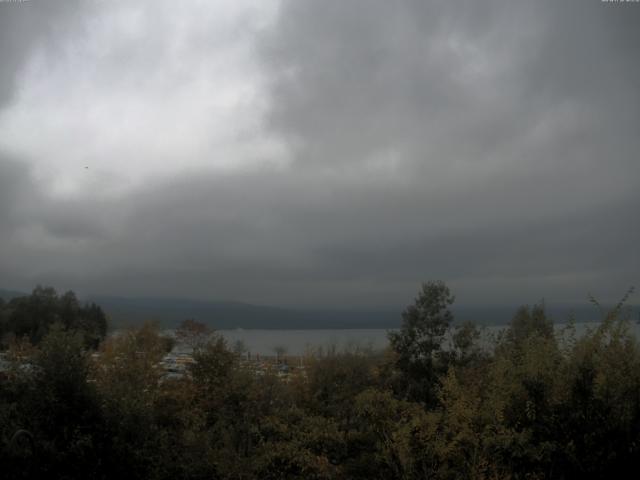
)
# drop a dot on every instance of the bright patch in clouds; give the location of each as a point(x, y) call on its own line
point(137, 90)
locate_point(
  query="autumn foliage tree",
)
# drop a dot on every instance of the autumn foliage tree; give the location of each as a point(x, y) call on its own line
point(192, 333)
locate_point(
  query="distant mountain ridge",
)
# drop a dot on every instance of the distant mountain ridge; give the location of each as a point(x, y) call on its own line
point(9, 294)
point(231, 314)
point(131, 311)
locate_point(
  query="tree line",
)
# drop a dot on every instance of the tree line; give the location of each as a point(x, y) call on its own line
point(437, 403)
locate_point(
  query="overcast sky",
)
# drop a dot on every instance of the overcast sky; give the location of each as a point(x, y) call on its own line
point(321, 153)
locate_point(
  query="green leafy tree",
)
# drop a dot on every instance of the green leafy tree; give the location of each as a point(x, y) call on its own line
point(227, 397)
point(3, 318)
point(390, 433)
point(334, 380)
point(214, 366)
point(601, 414)
point(127, 378)
point(529, 321)
point(418, 344)
point(61, 410)
point(33, 315)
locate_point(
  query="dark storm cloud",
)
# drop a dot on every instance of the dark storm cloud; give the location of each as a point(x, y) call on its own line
point(490, 144)
point(277, 238)
point(513, 125)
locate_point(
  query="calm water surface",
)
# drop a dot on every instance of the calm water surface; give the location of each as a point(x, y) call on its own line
point(300, 342)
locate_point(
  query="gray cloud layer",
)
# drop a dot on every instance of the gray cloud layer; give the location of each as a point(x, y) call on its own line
point(24, 26)
point(490, 144)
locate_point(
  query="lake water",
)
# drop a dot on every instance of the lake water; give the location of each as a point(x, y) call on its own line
point(301, 342)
